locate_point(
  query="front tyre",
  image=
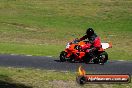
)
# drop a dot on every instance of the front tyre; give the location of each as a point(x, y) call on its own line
point(63, 56)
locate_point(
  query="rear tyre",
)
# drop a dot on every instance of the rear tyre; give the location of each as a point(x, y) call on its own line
point(103, 57)
point(63, 56)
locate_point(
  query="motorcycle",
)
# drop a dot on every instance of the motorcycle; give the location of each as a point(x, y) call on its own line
point(75, 52)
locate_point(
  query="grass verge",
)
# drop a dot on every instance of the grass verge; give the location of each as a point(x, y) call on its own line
point(28, 49)
point(36, 78)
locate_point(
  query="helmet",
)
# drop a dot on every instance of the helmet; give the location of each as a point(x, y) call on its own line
point(89, 31)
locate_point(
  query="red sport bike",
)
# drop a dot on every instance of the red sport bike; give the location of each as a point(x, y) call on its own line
point(74, 52)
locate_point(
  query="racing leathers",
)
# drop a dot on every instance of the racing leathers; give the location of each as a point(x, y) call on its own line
point(95, 42)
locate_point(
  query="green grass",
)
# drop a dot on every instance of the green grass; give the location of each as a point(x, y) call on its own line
point(43, 27)
point(36, 78)
point(26, 49)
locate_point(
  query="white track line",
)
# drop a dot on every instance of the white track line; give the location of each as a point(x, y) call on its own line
point(121, 60)
point(14, 54)
point(29, 55)
point(48, 56)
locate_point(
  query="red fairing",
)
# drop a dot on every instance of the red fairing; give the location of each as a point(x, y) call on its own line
point(87, 46)
point(97, 42)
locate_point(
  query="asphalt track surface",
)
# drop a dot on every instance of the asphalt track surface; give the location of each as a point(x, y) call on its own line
point(49, 63)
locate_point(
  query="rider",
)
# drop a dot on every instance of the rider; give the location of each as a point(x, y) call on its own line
point(93, 39)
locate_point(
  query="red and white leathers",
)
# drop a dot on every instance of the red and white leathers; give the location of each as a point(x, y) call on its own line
point(94, 40)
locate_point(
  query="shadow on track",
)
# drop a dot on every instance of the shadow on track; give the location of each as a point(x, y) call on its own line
point(73, 62)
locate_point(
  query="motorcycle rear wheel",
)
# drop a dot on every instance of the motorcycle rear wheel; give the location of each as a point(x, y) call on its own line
point(63, 56)
point(103, 57)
